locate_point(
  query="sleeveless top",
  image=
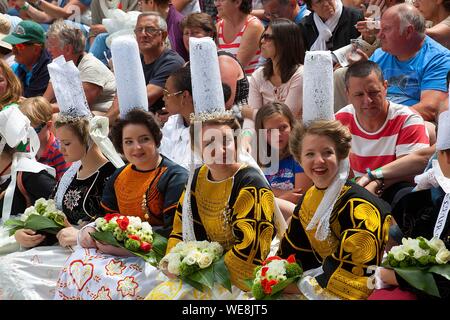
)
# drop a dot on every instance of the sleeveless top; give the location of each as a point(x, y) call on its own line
point(233, 46)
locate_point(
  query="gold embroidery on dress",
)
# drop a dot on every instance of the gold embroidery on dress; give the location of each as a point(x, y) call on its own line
point(267, 201)
point(369, 214)
point(265, 239)
point(213, 207)
point(244, 203)
point(348, 286)
point(362, 247)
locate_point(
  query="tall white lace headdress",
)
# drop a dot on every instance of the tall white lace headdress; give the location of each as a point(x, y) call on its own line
point(442, 143)
point(131, 87)
point(318, 104)
point(209, 103)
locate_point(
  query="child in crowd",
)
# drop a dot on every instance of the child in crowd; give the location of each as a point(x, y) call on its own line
point(289, 180)
point(39, 111)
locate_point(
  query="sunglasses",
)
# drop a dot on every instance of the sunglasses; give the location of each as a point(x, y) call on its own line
point(21, 46)
point(267, 37)
point(39, 128)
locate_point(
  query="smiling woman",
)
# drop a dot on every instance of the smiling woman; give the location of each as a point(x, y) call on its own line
point(355, 232)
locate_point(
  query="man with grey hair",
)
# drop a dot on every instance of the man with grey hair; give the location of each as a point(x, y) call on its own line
point(414, 65)
point(288, 9)
point(158, 62)
point(98, 81)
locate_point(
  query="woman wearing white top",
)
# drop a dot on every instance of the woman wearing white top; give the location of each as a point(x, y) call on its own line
point(281, 77)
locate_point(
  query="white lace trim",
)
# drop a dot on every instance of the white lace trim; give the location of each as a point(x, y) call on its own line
point(321, 218)
point(65, 182)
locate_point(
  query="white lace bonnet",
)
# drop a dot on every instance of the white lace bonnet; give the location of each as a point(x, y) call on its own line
point(318, 104)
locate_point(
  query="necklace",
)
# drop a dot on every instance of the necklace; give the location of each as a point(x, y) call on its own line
point(6, 168)
point(145, 205)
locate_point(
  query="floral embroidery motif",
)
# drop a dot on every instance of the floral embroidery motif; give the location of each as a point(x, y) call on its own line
point(71, 199)
point(114, 267)
point(103, 294)
point(127, 287)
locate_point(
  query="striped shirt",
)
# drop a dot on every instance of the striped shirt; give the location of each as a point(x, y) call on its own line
point(402, 133)
point(233, 46)
point(53, 157)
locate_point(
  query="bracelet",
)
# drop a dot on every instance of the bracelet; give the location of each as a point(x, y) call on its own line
point(247, 133)
point(25, 6)
point(371, 176)
point(378, 173)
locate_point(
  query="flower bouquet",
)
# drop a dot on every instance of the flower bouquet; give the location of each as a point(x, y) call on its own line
point(132, 234)
point(42, 217)
point(415, 261)
point(273, 276)
point(198, 263)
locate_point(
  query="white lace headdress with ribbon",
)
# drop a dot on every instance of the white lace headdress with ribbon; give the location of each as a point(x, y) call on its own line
point(15, 128)
point(318, 104)
point(69, 93)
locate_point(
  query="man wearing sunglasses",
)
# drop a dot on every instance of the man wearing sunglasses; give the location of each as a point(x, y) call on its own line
point(32, 59)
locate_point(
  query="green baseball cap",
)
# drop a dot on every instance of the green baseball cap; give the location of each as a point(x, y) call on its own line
point(26, 31)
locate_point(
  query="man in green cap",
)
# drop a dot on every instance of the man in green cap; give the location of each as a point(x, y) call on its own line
point(27, 41)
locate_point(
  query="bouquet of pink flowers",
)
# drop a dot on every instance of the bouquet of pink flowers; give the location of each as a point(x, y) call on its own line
point(273, 276)
point(131, 233)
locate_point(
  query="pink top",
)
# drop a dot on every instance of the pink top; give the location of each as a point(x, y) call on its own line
point(233, 46)
point(263, 91)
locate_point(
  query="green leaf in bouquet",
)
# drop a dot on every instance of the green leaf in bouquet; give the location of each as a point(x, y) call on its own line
point(248, 282)
point(419, 279)
point(221, 274)
point(159, 246)
point(36, 222)
point(13, 225)
point(203, 276)
point(153, 257)
point(193, 283)
point(106, 237)
point(441, 269)
point(280, 286)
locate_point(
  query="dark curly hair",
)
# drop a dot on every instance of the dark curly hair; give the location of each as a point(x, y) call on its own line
point(246, 6)
point(135, 116)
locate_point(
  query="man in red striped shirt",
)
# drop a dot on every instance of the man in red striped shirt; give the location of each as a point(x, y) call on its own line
point(382, 131)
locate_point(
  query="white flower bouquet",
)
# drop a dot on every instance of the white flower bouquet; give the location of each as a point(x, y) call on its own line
point(42, 217)
point(415, 261)
point(198, 263)
point(131, 233)
point(273, 276)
